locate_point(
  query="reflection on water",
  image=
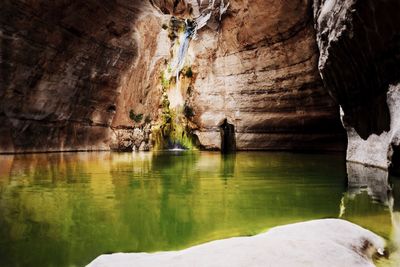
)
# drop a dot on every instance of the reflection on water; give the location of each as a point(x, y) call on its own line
point(369, 190)
point(66, 209)
point(374, 180)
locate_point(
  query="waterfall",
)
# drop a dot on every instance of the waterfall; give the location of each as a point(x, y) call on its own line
point(183, 47)
point(190, 32)
point(175, 95)
point(191, 28)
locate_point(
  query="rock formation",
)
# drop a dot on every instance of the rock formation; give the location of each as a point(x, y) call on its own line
point(262, 77)
point(328, 242)
point(359, 43)
point(72, 75)
point(62, 65)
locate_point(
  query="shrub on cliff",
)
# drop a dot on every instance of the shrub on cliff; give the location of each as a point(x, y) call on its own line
point(135, 117)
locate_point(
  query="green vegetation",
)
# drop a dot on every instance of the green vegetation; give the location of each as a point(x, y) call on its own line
point(189, 72)
point(175, 27)
point(135, 117)
point(164, 26)
point(172, 129)
point(188, 111)
point(165, 83)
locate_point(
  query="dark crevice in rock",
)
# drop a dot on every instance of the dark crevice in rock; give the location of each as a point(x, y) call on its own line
point(395, 165)
point(112, 108)
point(228, 139)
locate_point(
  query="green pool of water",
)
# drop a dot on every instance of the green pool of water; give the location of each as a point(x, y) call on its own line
point(66, 209)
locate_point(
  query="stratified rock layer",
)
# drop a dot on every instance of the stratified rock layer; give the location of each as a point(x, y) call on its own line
point(71, 73)
point(258, 70)
point(62, 65)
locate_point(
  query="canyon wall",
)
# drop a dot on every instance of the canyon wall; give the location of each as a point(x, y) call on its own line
point(62, 66)
point(257, 68)
point(264, 79)
point(73, 75)
point(359, 43)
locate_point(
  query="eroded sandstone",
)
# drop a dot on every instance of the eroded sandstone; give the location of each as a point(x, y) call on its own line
point(62, 66)
point(71, 73)
point(262, 78)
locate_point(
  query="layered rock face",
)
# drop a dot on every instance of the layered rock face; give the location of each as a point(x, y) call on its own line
point(258, 69)
point(141, 91)
point(62, 66)
point(359, 43)
point(73, 74)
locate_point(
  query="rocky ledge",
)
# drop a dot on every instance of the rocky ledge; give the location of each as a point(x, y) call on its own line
point(328, 242)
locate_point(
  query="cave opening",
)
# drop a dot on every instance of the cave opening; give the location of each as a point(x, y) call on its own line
point(394, 168)
point(228, 140)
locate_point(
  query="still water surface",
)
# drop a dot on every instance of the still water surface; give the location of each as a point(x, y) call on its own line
point(65, 209)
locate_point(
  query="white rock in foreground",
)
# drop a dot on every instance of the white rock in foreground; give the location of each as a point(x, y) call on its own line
point(328, 242)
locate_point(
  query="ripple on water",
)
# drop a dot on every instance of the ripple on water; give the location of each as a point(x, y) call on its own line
point(66, 209)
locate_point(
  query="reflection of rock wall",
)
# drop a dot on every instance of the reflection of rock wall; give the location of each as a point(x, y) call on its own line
point(382, 202)
point(396, 217)
point(135, 196)
point(374, 180)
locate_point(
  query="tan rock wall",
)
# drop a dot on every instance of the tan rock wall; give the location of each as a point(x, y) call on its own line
point(71, 72)
point(259, 70)
point(62, 65)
